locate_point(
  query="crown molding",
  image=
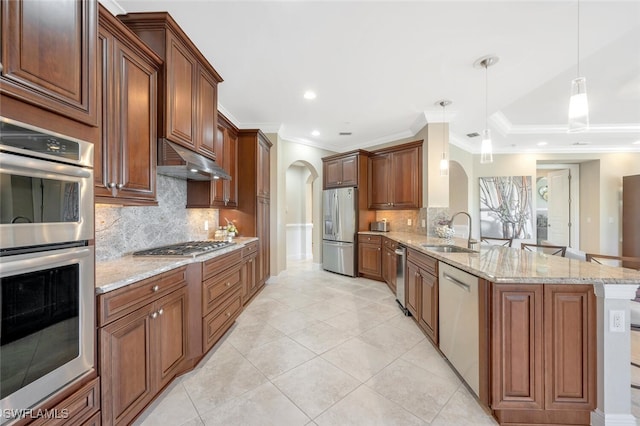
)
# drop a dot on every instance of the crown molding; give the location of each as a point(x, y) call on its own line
point(506, 127)
point(113, 6)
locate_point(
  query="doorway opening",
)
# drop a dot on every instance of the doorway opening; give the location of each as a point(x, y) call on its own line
point(557, 204)
point(299, 183)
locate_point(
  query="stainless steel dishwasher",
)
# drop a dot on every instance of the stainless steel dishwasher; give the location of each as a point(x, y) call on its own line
point(401, 253)
point(459, 332)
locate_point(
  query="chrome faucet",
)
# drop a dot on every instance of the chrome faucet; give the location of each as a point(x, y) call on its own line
point(470, 242)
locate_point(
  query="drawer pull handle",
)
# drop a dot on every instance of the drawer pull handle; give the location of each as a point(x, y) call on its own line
point(154, 315)
point(155, 288)
point(161, 311)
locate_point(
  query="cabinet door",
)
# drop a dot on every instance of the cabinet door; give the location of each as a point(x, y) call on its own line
point(517, 347)
point(413, 288)
point(370, 260)
point(262, 232)
point(207, 113)
point(181, 70)
point(107, 152)
point(263, 169)
point(332, 173)
point(349, 171)
point(428, 319)
point(135, 124)
point(49, 56)
point(231, 166)
point(389, 268)
point(217, 186)
point(570, 347)
point(379, 181)
point(249, 284)
point(126, 366)
point(404, 179)
point(170, 327)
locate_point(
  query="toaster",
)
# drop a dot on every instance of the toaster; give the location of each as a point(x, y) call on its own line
point(381, 226)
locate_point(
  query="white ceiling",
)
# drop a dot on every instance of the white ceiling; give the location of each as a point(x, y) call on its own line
point(379, 67)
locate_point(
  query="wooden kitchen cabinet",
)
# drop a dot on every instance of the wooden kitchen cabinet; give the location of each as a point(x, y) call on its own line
point(253, 215)
point(543, 353)
point(370, 256)
point(219, 193)
point(389, 263)
point(142, 343)
point(125, 160)
point(49, 56)
point(187, 113)
point(341, 171)
point(422, 292)
point(249, 271)
point(395, 177)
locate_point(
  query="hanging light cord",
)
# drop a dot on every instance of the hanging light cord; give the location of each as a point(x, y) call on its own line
point(486, 93)
point(578, 39)
point(443, 116)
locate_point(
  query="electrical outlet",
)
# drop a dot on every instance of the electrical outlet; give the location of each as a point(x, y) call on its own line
point(616, 321)
point(409, 222)
point(424, 223)
point(206, 225)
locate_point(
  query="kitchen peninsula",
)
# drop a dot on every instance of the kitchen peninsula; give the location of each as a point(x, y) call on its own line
point(542, 336)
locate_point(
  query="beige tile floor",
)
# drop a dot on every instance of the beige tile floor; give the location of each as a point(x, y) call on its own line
point(319, 348)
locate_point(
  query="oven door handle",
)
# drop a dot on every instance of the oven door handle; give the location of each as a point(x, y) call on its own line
point(23, 263)
point(40, 168)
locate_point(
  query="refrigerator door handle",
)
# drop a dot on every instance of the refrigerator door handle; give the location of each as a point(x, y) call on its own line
point(336, 229)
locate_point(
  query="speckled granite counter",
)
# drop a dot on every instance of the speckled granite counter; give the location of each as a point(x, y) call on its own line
point(126, 270)
point(513, 265)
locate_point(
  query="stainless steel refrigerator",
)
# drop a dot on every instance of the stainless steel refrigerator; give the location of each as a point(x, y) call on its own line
point(340, 212)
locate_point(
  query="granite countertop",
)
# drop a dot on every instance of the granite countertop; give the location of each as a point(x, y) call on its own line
point(117, 273)
point(513, 265)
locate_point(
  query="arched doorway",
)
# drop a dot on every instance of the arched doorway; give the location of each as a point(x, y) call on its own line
point(458, 188)
point(299, 211)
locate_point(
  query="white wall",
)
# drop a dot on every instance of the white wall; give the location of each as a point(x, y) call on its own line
point(298, 213)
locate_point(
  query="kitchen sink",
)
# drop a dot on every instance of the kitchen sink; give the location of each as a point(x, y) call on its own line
point(447, 248)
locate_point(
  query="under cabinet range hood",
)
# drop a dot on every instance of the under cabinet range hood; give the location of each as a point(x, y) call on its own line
point(182, 163)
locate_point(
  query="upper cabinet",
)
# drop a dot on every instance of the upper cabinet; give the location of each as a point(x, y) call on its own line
point(219, 193)
point(341, 172)
point(125, 160)
point(188, 86)
point(395, 177)
point(49, 56)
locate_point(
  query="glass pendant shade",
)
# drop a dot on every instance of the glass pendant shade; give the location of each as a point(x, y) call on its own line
point(578, 106)
point(444, 166)
point(486, 149)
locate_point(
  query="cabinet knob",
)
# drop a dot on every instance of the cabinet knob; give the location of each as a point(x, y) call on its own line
point(228, 284)
point(250, 260)
point(120, 185)
point(161, 311)
point(155, 288)
point(154, 315)
point(228, 314)
point(378, 248)
point(111, 185)
point(1, 67)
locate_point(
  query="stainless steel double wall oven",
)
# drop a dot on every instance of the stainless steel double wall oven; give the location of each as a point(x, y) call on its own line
point(47, 313)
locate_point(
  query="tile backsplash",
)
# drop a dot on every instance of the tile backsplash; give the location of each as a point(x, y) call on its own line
point(122, 230)
point(399, 219)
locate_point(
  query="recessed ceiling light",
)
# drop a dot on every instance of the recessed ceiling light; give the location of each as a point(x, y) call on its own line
point(309, 94)
point(542, 143)
point(315, 133)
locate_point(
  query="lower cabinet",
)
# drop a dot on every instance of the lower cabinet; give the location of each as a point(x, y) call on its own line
point(142, 343)
point(249, 275)
point(543, 353)
point(422, 292)
point(370, 256)
point(389, 263)
point(80, 408)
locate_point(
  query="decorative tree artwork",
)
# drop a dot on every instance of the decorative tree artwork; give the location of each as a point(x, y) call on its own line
point(506, 209)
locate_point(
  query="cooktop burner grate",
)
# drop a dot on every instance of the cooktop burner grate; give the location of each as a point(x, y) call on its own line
point(188, 249)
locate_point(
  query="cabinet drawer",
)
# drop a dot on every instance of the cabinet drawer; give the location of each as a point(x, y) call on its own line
point(118, 303)
point(428, 263)
point(220, 263)
point(76, 409)
point(214, 289)
point(389, 243)
point(373, 239)
point(250, 248)
point(217, 322)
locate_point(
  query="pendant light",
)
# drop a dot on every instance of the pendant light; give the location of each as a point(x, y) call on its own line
point(578, 105)
point(444, 163)
point(486, 149)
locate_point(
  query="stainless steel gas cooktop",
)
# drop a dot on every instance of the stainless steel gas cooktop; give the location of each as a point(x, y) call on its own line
point(188, 249)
